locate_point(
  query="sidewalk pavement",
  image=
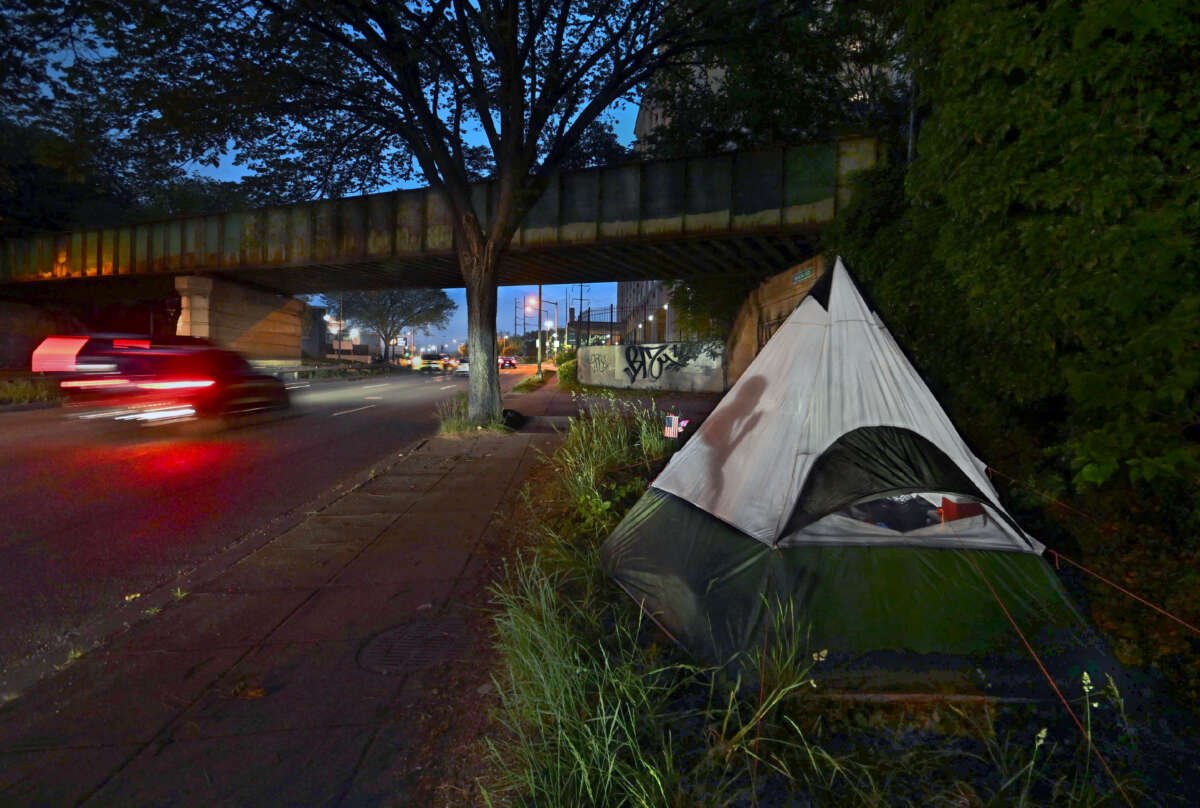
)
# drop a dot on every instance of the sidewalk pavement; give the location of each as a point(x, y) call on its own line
point(297, 675)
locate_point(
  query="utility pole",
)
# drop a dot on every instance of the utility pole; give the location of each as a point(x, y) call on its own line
point(539, 330)
point(341, 324)
point(580, 317)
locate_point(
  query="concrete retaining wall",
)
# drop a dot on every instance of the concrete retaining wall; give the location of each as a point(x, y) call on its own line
point(765, 310)
point(684, 366)
point(259, 325)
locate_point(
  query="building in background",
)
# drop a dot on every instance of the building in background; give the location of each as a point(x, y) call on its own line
point(637, 300)
point(644, 312)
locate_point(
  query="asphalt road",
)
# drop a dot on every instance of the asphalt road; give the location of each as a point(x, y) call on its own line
point(90, 516)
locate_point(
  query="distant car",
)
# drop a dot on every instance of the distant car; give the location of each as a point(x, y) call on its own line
point(430, 362)
point(507, 362)
point(135, 381)
point(463, 368)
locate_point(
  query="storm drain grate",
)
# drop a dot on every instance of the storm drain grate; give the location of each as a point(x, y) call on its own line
point(421, 644)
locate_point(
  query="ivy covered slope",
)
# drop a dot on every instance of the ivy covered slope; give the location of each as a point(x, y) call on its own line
point(1064, 153)
point(1039, 260)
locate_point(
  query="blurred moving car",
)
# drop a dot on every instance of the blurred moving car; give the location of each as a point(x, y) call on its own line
point(431, 362)
point(507, 362)
point(130, 379)
point(463, 369)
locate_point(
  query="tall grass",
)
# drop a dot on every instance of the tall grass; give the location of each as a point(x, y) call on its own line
point(605, 457)
point(580, 714)
point(453, 419)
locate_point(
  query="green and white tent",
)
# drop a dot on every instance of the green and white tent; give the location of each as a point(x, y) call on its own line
point(831, 484)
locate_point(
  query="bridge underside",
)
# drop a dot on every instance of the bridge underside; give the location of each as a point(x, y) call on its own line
point(597, 262)
point(588, 263)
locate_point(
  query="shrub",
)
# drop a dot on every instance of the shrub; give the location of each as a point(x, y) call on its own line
point(568, 374)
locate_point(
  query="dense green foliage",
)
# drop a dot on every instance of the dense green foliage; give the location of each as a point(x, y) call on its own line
point(568, 374)
point(1038, 260)
point(828, 70)
point(1061, 156)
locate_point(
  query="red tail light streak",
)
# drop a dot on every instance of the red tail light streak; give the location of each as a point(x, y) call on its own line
point(182, 384)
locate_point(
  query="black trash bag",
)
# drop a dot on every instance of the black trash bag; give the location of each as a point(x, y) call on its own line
point(513, 419)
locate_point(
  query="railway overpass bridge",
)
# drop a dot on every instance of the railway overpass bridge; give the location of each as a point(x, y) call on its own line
point(235, 272)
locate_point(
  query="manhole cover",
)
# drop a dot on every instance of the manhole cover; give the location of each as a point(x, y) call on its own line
point(420, 644)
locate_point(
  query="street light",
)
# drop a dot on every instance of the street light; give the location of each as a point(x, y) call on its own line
point(553, 303)
point(540, 310)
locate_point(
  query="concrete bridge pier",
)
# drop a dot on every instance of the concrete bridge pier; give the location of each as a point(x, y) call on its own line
point(259, 325)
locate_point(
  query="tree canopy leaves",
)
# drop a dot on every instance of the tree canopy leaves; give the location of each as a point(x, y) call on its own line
point(828, 68)
point(390, 312)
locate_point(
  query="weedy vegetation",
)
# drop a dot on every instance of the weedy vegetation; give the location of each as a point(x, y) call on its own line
point(453, 420)
point(597, 707)
point(528, 385)
point(27, 391)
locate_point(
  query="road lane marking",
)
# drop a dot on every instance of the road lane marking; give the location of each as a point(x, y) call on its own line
point(447, 387)
point(372, 398)
point(356, 409)
point(296, 386)
point(369, 386)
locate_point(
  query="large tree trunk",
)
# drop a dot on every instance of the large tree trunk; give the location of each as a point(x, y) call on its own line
point(479, 274)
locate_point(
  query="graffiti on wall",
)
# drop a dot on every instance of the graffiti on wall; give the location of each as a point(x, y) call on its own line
point(649, 361)
point(599, 363)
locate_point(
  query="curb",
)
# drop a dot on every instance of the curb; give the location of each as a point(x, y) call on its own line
point(32, 405)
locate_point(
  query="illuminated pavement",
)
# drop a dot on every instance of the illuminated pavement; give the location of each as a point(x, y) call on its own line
point(257, 685)
point(93, 517)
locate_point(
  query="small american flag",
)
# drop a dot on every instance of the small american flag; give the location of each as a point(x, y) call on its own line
point(672, 430)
